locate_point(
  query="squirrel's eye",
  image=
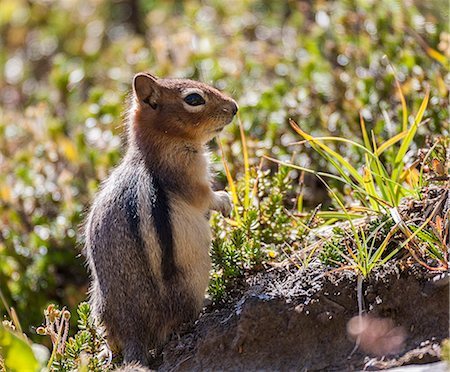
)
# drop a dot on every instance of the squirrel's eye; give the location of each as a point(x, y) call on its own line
point(194, 99)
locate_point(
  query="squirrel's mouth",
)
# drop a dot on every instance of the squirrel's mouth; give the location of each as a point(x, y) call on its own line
point(219, 129)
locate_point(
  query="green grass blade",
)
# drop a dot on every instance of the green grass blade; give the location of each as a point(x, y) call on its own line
point(391, 141)
point(335, 163)
point(329, 151)
point(364, 132)
point(380, 173)
point(385, 179)
point(307, 170)
point(421, 227)
point(399, 159)
point(369, 185)
point(353, 185)
point(363, 254)
point(338, 139)
point(300, 193)
point(339, 215)
point(379, 252)
point(389, 256)
point(404, 109)
point(246, 167)
point(231, 183)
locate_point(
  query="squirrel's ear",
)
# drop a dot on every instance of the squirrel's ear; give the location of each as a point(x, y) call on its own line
point(146, 89)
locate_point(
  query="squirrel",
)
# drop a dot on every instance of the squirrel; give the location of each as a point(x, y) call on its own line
point(147, 234)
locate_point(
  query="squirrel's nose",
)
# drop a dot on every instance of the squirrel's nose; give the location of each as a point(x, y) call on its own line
point(234, 107)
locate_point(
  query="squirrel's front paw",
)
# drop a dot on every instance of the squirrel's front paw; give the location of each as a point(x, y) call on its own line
point(223, 203)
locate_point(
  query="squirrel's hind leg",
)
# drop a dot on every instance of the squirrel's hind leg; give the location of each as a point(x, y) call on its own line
point(135, 351)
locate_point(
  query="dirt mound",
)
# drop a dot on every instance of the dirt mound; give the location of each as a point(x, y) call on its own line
point(297, 320)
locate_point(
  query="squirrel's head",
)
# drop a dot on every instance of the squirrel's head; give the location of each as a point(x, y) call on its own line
point(180, 108)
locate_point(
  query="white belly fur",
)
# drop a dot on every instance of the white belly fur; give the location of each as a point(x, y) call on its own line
point(192, 239)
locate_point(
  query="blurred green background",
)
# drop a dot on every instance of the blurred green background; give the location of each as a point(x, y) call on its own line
point(66, 70)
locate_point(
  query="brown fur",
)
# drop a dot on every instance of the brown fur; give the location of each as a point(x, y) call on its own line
point(147, 238)
point(173, 140)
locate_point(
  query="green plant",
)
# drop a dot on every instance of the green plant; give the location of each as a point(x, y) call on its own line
point(364, 252)
point(259, 228)
point(445, 350)
point(379, 186)
point(16, 353)
point(361, 248)
point(382, 183)
point(65, 77)
point(80, 352)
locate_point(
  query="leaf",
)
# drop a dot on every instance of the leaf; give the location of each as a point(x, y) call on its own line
point(330, 152)
point(404, 109)
point(381, 175)
point(68, 148)
point(337, 139)
point(433, 53)
point(369, 185)
point(5, 193)
point(364, 132)
point(15, 320)
point(339, 215)
point(439, 167)
point(411, 176)
point(391, 141)
point(399, 159)
point(231, 183)
point(246, 167)
point(16, 352)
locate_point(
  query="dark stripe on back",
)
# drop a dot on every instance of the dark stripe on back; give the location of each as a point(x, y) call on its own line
point(130, 198)
point(163, 224)
point(160, 211)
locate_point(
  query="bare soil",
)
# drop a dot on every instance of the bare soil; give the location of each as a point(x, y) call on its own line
point(290, 319)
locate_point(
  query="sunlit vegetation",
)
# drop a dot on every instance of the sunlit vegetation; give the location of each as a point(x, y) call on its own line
point(343, 114)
